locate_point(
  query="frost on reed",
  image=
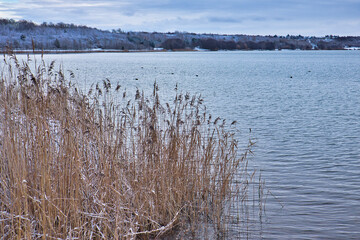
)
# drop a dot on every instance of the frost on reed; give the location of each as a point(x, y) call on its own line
point(97, 166)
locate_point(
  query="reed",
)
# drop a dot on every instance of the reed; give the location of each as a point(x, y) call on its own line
point(99, 166)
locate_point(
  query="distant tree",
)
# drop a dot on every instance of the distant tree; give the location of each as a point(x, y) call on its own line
point(306, 47)
point(22, 37)
point(241, 45)
point(195, 42)
point(75, 45)
point(4, 21)
point(38, 45)
point(210, 44)
point(61, 25)
point(322, 45)
point(57, 43)
point(289, 46)
point(16, 44)
point(252, 45)
point(173, 43)
point(25, 25)
point(227, 45)
point(269, 46)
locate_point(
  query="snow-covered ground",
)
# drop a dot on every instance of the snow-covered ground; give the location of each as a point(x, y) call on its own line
point(352, 48)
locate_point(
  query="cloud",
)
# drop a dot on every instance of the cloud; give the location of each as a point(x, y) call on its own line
point(225, 19)
point(227, 16)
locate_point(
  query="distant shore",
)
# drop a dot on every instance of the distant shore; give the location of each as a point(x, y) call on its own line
point(64, 38)
point(81, 51)
point(93, 51)
point(137, 51)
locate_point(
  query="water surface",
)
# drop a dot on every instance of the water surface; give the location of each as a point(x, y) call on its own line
point(302, 107)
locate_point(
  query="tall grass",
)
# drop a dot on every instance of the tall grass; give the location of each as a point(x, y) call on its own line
point(98, 165)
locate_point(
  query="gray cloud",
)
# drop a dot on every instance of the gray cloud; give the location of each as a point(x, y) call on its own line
point(315, 17)
point(225, 19)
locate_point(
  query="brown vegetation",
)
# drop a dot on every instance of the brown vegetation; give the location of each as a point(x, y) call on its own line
point(173, 44)
point(97, 166)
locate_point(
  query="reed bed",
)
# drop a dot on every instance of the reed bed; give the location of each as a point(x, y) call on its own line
point(102, 166)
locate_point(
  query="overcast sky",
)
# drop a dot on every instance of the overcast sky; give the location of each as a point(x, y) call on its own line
point(260, 17)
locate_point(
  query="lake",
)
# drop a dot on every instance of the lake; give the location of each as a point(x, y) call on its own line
point(303, 108)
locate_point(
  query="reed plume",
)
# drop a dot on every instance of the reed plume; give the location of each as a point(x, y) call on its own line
point(99, 165)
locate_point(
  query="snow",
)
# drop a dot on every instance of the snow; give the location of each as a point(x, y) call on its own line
point(351, 48)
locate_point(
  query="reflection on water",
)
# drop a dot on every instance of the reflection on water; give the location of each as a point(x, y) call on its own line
point(302, 107)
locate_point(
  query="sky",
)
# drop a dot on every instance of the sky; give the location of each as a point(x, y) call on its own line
point(253, 17)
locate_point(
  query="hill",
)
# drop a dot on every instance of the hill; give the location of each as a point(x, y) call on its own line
point(26, 35)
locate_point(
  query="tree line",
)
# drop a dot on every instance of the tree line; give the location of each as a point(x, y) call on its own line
point(62, 36)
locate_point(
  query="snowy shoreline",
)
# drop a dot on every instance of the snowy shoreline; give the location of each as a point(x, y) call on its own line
point(137, 51)
point(92, 51)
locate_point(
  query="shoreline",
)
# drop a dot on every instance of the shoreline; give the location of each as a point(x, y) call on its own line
point(91, 51)
point(141, 51)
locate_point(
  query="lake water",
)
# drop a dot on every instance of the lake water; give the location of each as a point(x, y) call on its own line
point(304, 111)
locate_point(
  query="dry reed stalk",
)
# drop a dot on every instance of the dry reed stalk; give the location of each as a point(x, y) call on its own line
point(82, 166)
